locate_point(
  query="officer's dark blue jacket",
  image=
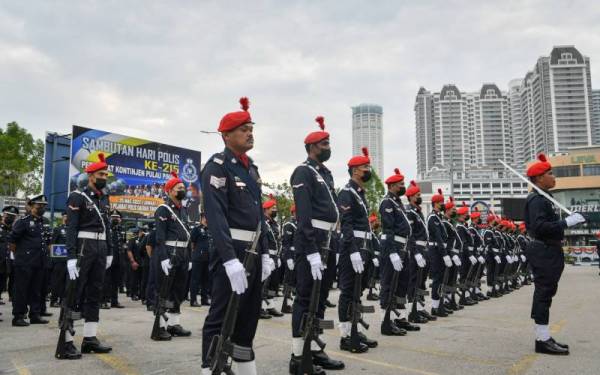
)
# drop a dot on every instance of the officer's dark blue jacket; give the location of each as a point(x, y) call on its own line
point(26, 234)
point(232, 199)
point(315, 198)
point(82, 216)
point(354, 217)
point(394, 224)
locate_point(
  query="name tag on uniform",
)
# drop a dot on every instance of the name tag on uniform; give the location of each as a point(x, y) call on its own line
point(240, 184)
point(58, 251)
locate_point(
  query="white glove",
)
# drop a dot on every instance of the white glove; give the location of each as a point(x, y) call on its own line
point(316, 266)
point(497, 259)
point(72, 268)
point(189, 266)
point(237, 275)
point(337, 259)
point(12, 255)
point(420, 260)
point(396, 262)
point(481, 259)
point(109, 260)
point(278, 262)
point(473, 260)
point(166, 266)
point(509, 259)
point(447, 261)
point(290, 264)
point(574, 219)
point(357, 262)
point(268, 265)
point(376, 262)
point(456, 260)
point(523, 258)
point(515, 258)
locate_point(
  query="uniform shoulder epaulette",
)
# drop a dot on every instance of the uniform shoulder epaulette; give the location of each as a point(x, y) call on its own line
point(218, 158)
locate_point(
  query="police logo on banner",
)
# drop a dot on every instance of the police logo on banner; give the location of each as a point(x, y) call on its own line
point(190, 173)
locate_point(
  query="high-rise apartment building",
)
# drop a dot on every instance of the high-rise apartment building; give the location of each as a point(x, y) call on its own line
point(367, 131)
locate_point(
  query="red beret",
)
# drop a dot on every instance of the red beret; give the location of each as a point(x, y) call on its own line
point(373, 218)
point(233, 120)
point(598, 234)
point(293, 208)
point(396, 177)
point(522, 228)
point(318, 136)
point(450, 204)
point(539, 167)
point(359, 160)
point(172, 182)
point(269, 203)
point(491, 217)
point(462, 210)
point(439, 197)
point(412, 189)
point(97, 166)
point(475, 214)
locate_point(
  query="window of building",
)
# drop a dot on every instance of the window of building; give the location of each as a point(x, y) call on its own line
point(567, 171)
point(591, 170)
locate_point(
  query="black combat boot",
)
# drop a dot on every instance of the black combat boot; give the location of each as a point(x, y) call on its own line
point(93, 345)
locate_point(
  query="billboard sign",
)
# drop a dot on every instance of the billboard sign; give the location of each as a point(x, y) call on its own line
point(138, 168)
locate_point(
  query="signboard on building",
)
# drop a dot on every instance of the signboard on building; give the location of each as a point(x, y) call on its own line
point(138, 168)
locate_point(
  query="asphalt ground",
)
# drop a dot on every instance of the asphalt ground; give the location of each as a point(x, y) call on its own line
point(493, 337)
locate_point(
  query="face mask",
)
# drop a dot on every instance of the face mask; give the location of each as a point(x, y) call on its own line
point(180, 194)
point(40, 211)
point(419, 201)
point(9, 219)
point(453, 215)
point(366, 176)
point(324, 155)
point(115, 222)
point(100, 183)
point(443, 207)
point(273, 214)
point(402, 191)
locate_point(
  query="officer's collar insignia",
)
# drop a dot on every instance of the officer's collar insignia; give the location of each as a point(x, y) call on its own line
point(233, 160)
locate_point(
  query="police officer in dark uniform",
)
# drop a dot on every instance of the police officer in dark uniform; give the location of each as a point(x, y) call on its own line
point(317, 216)
point(492, 251)
point(232, 197)
point(479, 253)
point(271, 285)
point(30, 251)
point(150, 243)
point(440, 260)
point(9, 215)
point(419, 258)
point(396, 231)
point(356, 235)
point(134, 253)
point(89, 252)
point(145, 264)
point(59, 273)
point(453, 246)
point(172, 256)
point(113, 273)
point(288, 255)
point(545, 253)
point(200, 278)
point(467, 251)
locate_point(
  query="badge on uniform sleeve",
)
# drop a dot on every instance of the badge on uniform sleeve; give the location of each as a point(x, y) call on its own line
point(389, 209)
point(218, 182)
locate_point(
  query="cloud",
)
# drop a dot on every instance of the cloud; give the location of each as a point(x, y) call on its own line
point(165, 71)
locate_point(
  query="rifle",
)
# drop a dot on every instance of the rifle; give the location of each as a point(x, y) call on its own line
point(67, 316)
point(163, 303)
point(311, 324)
point(444, 288)
point(357, 309)
point(393, 300)
point(287, 290)
point(221, 348)
point(419, 293)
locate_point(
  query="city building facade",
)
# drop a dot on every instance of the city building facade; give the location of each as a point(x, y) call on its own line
point(367, 131)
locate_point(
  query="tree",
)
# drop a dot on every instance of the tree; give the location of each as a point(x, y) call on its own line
point(22, 159)
point(374, 192)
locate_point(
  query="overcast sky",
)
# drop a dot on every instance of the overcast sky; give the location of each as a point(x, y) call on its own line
point(166, 70)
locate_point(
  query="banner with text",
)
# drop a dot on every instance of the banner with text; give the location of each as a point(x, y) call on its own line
point(138, 168)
